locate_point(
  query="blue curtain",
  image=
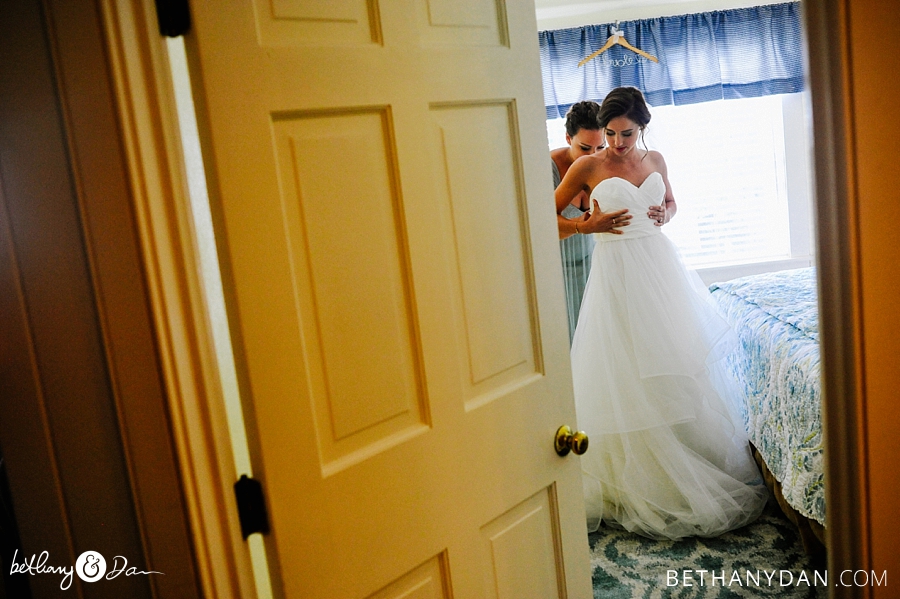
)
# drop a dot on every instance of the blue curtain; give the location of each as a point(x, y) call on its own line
point(739, 53)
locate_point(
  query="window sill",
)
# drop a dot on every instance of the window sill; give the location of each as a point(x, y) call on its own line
point(716, 274)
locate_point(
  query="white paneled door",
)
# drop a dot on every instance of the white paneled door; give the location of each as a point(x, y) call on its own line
point(380, 178)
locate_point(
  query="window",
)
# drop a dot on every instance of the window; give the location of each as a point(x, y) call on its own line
point(739, 172)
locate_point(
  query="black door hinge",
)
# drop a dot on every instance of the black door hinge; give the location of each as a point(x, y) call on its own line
point(173, 16)
point(251, 506)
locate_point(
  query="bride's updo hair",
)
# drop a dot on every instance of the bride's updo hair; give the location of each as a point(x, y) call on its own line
point(583, 115)
point(625, 101)
point(628, 102)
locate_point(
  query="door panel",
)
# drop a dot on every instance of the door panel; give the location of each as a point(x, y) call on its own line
point(384, 208)
point(514, 573)
point(353, 296)
point(316, 22)
point(463, 22)
point(428, 581)
point(483, 177)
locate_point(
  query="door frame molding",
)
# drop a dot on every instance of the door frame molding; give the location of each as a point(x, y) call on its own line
point(86, 411)
point(152, 145)
point(840, 289)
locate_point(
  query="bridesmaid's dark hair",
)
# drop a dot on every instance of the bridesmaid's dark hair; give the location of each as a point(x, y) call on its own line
point(583, 115)
point(628, 102)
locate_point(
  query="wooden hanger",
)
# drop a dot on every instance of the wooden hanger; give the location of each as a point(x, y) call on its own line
point(617, 37)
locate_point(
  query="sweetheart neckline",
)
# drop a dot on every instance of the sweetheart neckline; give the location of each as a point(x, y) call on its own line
point(629, 182)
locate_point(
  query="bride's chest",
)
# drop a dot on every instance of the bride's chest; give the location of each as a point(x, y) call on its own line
point(618, 192)
point(634, 174)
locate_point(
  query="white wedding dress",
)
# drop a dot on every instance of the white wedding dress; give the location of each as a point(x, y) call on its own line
point(668, 454)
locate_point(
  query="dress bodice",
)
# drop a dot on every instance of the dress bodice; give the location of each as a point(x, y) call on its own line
point(616, 193)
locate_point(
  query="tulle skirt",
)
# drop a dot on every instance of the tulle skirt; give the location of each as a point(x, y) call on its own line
point(668, 456)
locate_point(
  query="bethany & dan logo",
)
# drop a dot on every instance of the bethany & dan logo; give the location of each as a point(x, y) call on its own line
point(89, 567)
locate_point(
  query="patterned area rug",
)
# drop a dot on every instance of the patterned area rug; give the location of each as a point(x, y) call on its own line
point(764, 559)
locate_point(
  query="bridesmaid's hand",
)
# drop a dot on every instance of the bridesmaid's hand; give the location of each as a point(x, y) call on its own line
point(659, 214)
point(604, 222)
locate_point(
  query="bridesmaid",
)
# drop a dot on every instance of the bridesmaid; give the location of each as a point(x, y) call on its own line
point(584, 136)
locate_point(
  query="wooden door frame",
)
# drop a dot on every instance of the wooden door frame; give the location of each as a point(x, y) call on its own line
point(200, 434)
point(151, 140)
point(839, 280)
point(82, 385)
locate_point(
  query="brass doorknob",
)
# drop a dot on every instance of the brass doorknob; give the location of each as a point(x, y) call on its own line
point(567, 441)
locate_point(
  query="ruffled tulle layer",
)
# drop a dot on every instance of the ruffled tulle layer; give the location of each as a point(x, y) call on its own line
point(669, 457)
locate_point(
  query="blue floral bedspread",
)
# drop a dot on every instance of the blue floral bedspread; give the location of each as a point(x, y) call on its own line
point(776, 317)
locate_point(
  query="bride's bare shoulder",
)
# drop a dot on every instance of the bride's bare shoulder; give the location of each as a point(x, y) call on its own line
point(656, 159)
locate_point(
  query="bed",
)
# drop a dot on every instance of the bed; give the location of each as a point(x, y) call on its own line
point(776, 318)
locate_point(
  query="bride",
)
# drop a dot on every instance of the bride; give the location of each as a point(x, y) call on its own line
point(669, 456)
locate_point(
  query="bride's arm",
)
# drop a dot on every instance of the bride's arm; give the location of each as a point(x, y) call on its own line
point(666, 211)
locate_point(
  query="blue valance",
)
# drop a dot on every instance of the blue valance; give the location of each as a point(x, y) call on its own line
point(738, 53)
